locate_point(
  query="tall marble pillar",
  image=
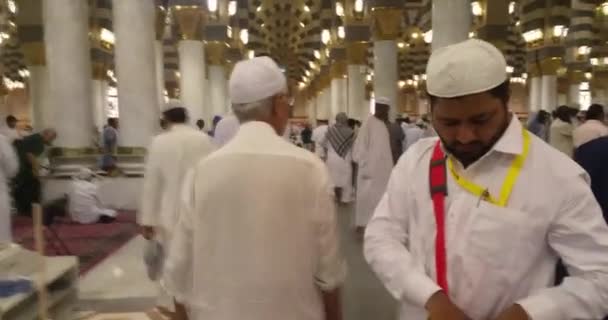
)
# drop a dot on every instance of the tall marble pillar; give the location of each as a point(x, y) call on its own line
point(159, 51)
point(339, 98)
point(191, 50)
point(66, 28)
point(549, 92)
point(535, 94)
point(451, 22)
point(217, 82)
point(387, 26)
point(39, 90)
point(100, 102)
point(136, 71)
point(357, 62)
point(574, 93)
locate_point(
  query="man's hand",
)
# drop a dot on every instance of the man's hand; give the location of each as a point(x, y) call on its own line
point(440, 307)
point(148, 232)
point(516, 312)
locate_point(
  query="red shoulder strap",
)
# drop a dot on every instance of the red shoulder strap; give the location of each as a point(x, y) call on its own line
point(439, 190)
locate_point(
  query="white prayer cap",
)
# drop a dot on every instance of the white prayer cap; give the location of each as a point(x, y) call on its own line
point(384, 100)
point(469, 67)
point(256, 79)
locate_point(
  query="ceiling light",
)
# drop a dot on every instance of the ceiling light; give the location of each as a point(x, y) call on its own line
point(524, 75)
point(584, 86)
point(306, 8)
point(263, 25)
point(476, 8)
point(358, 5)
point(107, 36)
point(302, 25)
point(12, 7)
point(339, 9)
point(560, 31)
point(317, 54)
point(409, 82)
point(401, 45)
point(584, 50)
point(510, 69)
point(301, 85)
point(605, 61)
point(212, 5)
point(341, 32)
point(327, 52)
point(251, 54)
point(307, 72)
point(428, 36)
point(229, 32)
point(401, 84)
point(258, 9)
point(178, 74)
point(231, 8)
point(594, 61)
point(533, 35)
point(517, 23)
point(325, 36)
point(244, 35)
point(604, 8)
point(369, 77)
point(472, 34)
point(312, 65)
point(415, 35)
point(511, 7)
point(588, 75)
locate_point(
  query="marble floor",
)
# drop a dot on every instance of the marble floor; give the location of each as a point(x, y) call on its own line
point(118, 288)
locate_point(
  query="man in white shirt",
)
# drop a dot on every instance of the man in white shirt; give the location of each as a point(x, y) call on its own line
point(593, 128)
point(477, 235)
point(265, 247)
point(225, 130)
point(170, 156)
point(372, 153)
point(84, 204)
point(10, 131)
point(9, 165)
point(318, 134)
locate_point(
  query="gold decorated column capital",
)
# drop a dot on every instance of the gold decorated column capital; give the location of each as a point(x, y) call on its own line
point(215, 52)
point(386, 23)
point(190, 21)
point(34, 53)
point(549, 66)
point(161, 15)
point(356, 53)
point(338, 69)
point(99, 70)
point(533, 70)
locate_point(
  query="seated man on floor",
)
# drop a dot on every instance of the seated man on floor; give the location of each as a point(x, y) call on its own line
point(84, 205)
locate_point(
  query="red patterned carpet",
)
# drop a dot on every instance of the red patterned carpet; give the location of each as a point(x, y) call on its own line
point(91, 243)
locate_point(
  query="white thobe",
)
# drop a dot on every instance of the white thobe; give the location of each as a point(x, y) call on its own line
point(261, 248)
point(318, 134)
point(11, 134)
point(495, 256)
point(560, 136)
point(412, 135)
point(372, 152)
point(170, 156)
point(84, 205)
point(590, 130)
point(225, 130)
point(9, 166)
point(341, 172)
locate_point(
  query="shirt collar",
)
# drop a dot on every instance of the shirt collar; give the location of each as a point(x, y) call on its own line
point(511, 141)
point(256, 128)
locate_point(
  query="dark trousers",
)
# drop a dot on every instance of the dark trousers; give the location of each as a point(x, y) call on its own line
point(26, 191)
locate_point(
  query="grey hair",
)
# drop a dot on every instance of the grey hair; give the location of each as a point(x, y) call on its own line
point(252, 111)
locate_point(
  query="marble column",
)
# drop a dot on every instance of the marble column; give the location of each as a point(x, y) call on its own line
point(549, 92)
point(217, 91)
point(451, 22)
point(574, 93)
point(339, 98)
point(387, 22)
point(66, 28)
point(159, 51)
point(100, 102)
point(535, 94)
point(192, 77)
point(39, 90)
point(357, 62)
point(136, 71)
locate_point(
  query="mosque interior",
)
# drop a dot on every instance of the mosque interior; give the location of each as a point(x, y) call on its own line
point(72, 64)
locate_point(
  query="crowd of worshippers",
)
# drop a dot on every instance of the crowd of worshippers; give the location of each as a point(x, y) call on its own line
point(468, 223)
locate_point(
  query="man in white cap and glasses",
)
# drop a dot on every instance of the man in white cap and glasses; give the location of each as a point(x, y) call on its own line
point(267, 246)
point(472, 224)
point(373, 155)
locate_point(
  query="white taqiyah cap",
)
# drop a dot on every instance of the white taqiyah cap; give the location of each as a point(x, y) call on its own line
point(256, 79)
point(469, 67)
point(384, 100)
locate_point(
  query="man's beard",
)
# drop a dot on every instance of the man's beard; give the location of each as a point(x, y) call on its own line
point(480, 149)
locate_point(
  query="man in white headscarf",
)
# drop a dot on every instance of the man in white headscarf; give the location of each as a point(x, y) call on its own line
point(372, 152)
point(339, 142)
point(265, 247)
point(473, 223)
point(9, 166)
point(84, 204)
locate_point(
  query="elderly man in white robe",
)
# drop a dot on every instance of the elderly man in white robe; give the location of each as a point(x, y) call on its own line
point(339, 143)
point(84, 204)
point(472, 223)
point(265, 247)
point(373, 155)
point(170, 156)
point(9, 165)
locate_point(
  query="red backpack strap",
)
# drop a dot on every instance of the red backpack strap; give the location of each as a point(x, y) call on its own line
point(439, 190)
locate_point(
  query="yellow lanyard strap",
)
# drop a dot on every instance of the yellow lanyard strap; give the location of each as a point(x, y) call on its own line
point(508, 183)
